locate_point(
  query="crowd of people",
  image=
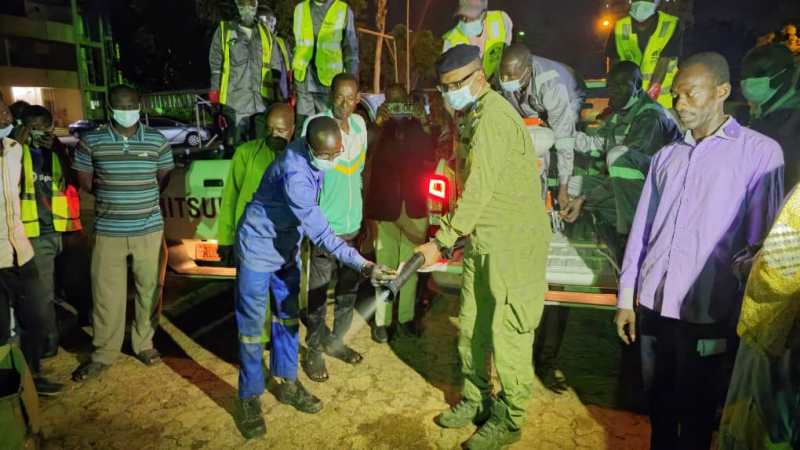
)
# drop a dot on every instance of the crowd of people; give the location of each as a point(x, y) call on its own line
point(697, 207)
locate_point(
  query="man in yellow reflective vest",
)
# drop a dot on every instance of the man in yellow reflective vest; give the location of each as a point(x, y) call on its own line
point(50, 207)
point(326, 44)
point(652, 39)
point(247, 64)
point(490, 31)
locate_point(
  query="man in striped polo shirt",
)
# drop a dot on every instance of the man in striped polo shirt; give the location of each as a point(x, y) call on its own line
point(123, 165)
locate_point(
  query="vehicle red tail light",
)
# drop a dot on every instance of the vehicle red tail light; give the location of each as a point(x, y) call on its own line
point(437, 187)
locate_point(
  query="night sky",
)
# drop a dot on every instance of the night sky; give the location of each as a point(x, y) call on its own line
point(564, 29)
point(172, 53)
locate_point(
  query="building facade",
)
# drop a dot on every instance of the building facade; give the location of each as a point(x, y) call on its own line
point(58, 54)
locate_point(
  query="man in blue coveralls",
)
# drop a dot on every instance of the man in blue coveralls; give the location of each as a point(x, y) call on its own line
point(284, 209)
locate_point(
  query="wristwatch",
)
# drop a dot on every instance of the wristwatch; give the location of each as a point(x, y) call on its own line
point(366, 269)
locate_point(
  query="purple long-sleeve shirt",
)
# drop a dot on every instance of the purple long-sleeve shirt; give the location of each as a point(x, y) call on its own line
point(702, 204)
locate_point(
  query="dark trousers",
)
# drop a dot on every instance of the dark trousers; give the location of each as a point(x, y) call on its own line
point(548, 338)
point(686, 370)
point(14, 283)
point(322, 268)
point(47, 248)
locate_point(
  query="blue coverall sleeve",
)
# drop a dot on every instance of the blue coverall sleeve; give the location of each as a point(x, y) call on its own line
point(301, 196)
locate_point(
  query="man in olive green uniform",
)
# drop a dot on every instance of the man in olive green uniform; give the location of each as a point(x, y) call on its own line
point(502, 213)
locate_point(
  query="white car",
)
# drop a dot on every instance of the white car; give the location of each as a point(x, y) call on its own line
point(178, 133)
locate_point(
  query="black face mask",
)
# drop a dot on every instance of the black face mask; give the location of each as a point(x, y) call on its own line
point(277, 143)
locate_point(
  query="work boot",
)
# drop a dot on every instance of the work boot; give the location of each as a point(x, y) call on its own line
point(251, 422)
point(293, 393)
point(380, 334)
point(46, 387)
point(493, 435)
point(465, 413)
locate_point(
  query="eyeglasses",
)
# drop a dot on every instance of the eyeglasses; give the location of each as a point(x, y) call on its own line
point(456, 84)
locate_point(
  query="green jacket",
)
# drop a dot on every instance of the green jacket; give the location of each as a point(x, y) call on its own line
point(341, 200)
point(501, 207)
point(248, 165)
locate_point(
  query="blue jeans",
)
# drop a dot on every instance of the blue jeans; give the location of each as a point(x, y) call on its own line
point(251, 298)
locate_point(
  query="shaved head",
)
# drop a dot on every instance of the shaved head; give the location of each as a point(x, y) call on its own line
point(516, 53)
point(280, 121)
point(624, 82)
point(122, 92)
point(324, 136)
point(516, 60)
point(627, 69)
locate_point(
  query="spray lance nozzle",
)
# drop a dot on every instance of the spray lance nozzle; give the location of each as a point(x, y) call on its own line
point(388, 290)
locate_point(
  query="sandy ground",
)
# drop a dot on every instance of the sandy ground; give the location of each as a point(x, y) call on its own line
point(388, 402)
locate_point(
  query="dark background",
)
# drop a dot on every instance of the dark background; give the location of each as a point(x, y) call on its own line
point(164, 43)
point(171, 53)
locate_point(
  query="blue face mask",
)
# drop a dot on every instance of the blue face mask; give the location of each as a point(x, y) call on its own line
point(473, 28)
point(460, 98)
point(5, 132)
point(512, 85)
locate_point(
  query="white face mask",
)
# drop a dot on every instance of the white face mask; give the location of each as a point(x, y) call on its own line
point(641, 10)
point(247, 14)
point(322, 164)
point(473, 28)
point(126, 118)
point(4, 132)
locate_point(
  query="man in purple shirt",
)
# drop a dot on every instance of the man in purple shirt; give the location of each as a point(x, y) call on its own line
point(707, 203)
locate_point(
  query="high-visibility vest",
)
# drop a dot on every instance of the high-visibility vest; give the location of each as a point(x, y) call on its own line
point(284, 53)
point(65, 201)
point(628, 50)
point(225, 30)
point(495, 25)
point(328, 57)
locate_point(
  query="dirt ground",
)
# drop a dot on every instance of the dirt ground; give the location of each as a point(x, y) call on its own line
point(387, 402)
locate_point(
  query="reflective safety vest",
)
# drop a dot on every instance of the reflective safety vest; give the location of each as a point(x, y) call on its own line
point(628, 50)
point(284, 53)
point(65, 201)
point(328, 56)
point(225, 30)
point(495, 25)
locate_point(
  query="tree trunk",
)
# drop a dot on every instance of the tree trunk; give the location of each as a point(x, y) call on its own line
point(380, 22)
